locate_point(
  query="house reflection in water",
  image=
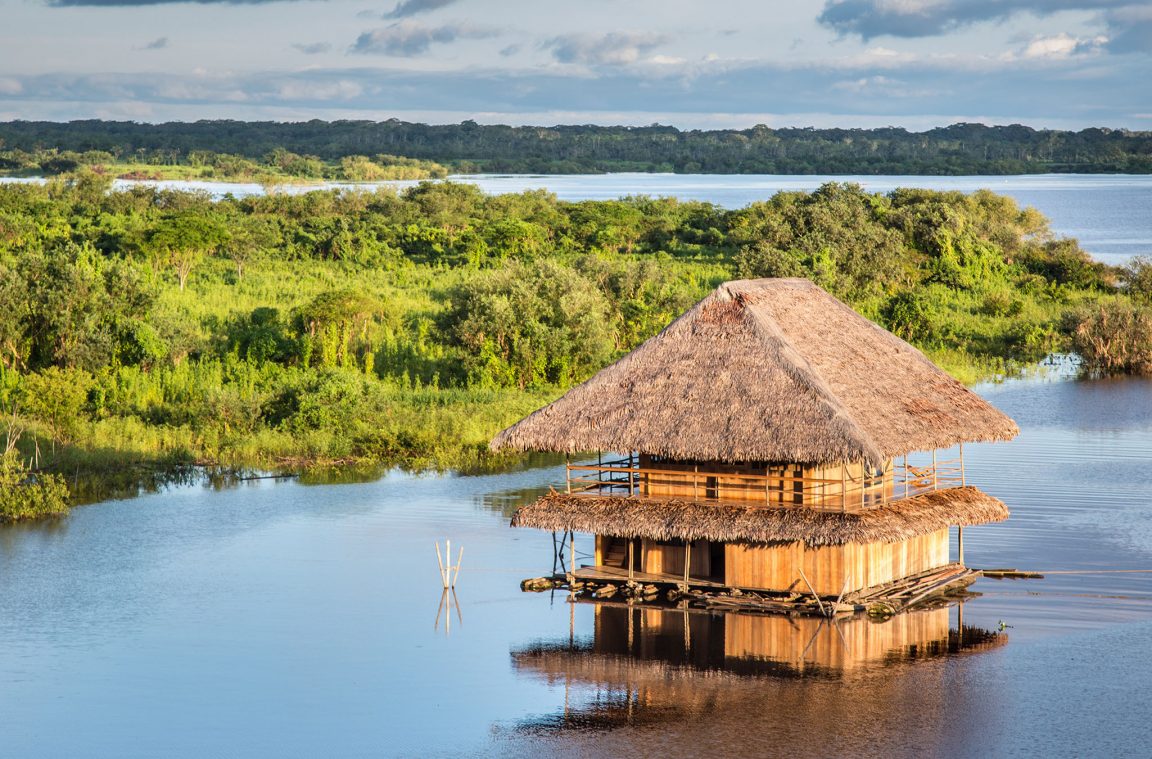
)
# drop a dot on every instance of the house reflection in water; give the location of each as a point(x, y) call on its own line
point(645, 664)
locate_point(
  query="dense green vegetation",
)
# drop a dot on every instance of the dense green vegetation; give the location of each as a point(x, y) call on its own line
point(276, 167)
point(316, 149)
point(151, 327)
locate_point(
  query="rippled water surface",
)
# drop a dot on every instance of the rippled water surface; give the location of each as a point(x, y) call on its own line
point(277, 619)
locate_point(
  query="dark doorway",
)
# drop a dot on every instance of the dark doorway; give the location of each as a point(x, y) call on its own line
point(716, 562)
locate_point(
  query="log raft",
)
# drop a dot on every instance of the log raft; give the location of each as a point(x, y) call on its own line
point(925, 588)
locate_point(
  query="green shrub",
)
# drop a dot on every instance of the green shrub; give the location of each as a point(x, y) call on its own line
point(25, 495)
point(1114, 338)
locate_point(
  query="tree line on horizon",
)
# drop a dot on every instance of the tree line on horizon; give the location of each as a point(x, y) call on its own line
point(468, 147)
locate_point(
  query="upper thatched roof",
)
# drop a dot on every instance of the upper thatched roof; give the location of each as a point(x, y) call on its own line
point(672, 518)
point(765, 370)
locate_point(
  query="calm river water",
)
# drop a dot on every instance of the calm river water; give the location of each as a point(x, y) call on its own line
point(279, 619)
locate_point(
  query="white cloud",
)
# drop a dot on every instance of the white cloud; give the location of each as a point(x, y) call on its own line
point(303, 90)
point(1057, 47)
point(614, 49)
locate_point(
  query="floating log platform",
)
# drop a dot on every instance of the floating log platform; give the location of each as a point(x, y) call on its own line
point(601, 583)
point(1011, 574)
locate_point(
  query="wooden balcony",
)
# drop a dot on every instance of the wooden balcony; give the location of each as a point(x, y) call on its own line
point(842, 488)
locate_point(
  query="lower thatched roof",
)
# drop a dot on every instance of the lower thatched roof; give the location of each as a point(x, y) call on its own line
point(670, 518)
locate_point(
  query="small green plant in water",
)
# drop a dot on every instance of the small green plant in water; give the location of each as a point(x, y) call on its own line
point(29, 495)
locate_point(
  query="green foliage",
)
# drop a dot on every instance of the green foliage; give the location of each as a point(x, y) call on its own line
point(25, 495)
point(349, 326)
point(1137, 278)
point(529, 324)
point(839, 237)
point(56, 397)
point(69, 306)
point(182, 239)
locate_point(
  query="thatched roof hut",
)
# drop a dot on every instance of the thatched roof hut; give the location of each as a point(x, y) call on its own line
point(765, 370)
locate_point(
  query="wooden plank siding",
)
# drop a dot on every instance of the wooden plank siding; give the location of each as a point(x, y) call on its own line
point(775, 484)
point(778, 567)
point(668, 558)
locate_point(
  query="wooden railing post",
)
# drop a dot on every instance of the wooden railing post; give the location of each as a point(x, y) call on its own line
point(863, 489)
point(843, 487)
point(631, 475)
point(933, 468)
point(963, 480)
point(906, 477)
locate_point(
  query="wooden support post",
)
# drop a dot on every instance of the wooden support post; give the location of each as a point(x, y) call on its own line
point(568, 475)
point(695, 480)
point(687, 561)
point(933, 468)
point(572, 551)
point(960, 544)
point(631, 558)
point(906, 473)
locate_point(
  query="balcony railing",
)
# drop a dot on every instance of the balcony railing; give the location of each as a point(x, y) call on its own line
point(839, 489)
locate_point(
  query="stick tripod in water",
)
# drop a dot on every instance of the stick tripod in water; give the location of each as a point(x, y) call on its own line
point(448, 576)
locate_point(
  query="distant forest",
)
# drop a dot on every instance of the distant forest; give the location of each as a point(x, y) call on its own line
point(470, 147)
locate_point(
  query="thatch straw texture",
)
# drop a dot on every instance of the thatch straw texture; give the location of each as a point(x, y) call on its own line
point(770, 370)
point(668, 519)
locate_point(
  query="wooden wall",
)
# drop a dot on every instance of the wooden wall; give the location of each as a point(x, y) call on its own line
point(668, 558)
point(775, 566)
point(706, 481)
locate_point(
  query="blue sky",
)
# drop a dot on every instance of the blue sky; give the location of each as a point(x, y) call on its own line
point(724, 63)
